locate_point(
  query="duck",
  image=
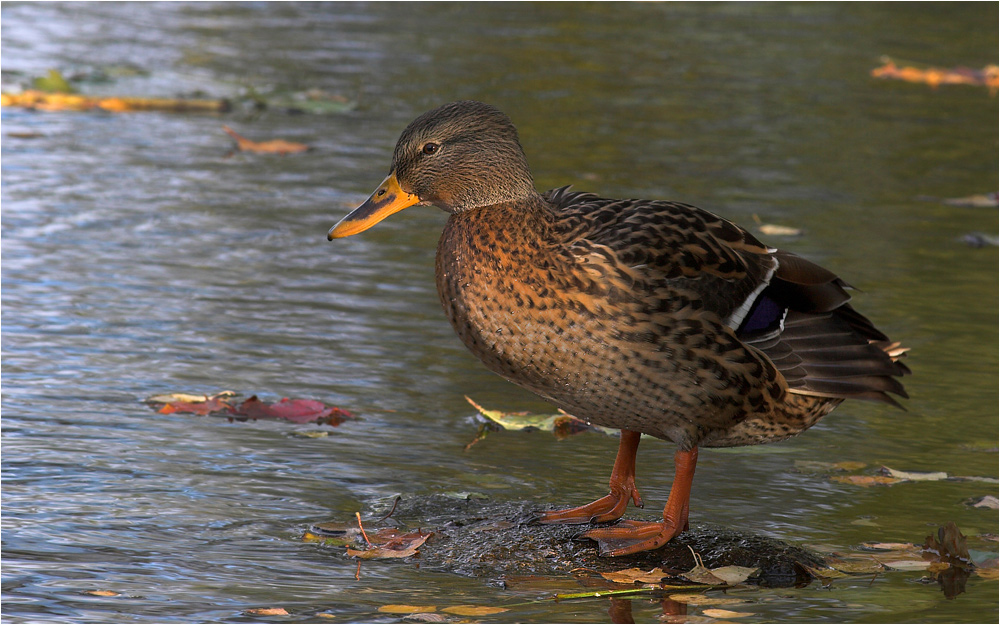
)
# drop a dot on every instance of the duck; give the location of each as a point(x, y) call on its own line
point(651, 317)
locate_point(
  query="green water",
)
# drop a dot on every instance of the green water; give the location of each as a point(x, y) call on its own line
point(140, 256)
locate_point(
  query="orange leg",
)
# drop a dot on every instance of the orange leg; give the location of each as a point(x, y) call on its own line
point(635, 536)
point(612, 506)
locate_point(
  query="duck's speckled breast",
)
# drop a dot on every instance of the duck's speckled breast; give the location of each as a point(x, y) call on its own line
point(516, 303)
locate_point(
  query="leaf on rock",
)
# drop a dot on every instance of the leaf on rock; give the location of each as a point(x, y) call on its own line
point(722, 576)
point(390, 543)
point(274, 146)
point(636, 576)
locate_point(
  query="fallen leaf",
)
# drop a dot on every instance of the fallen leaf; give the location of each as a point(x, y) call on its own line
point(991, 574)
point(473, 610)
point(914, 476)
point(215, 404)
point(274, 146)
point(722, 576)
point(865, 480)
point(717, 613)
point(427, 617)
point(406, 609)
point(561, 424)
point(849, 465)
point(775, 230)
point(701, 599)
point(989, 502)
point(949, 544)
point(266, 612)
point(294, 410)
point(102, 593)
point(636, 576)
point(982, 200)
point(185, 397)
point(935, 76)
point(42, 101)
point(389, 543)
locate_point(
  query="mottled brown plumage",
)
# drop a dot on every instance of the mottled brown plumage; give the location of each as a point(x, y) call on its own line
point(653, 317)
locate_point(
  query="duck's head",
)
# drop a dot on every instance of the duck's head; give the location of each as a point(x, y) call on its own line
point(459, 156)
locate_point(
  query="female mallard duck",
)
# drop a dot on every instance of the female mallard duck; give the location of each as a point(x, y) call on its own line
point(650, 316)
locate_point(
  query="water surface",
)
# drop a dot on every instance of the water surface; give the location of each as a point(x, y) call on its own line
point(140, 256)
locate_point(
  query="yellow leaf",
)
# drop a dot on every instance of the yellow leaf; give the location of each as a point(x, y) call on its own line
point(103, 593)
point(716, 613)
point(473, 610)
point(406, 609)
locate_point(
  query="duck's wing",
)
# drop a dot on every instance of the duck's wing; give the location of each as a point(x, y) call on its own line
point(682, 258)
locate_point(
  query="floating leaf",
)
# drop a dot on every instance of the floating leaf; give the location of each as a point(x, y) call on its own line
point(42, 101)
point(989, 502)
point(774, 230)
point(294, 410)
point(702, 599)
point(274, 146)
point(935, 76)
point(949, 543)
point(185, 397)
point(266, 612)
point(53, 82)
point(982, 200)
point(560, 424)
point(406, 609)
point(473, 610)
point(914, 476)
point(865, 480)
point(214, 404)
point(102, 593)
point(717, 613)
point(636, 576)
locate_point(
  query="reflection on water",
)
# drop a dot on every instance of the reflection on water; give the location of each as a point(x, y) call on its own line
point(139, 256)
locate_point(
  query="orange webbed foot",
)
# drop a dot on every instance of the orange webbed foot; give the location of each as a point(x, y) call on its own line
point(632, 536)
point(612, 506)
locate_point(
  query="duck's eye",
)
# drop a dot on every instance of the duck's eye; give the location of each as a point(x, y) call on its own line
point(430, 148)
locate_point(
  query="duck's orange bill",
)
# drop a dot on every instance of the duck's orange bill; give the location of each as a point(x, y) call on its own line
point(389, 198)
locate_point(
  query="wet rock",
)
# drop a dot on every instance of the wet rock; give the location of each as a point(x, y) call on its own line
point(496, 540)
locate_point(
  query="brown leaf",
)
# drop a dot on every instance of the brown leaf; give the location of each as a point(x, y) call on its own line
point(389, 543)
point(274, 146)
point(717, 613)
point(702, 599)
point(949, 544)
point(102, 593)
point(294, 410)
point(266, 612)
point(865, 480)
point(636, 576)
point(473, 610)
point(214, 404)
